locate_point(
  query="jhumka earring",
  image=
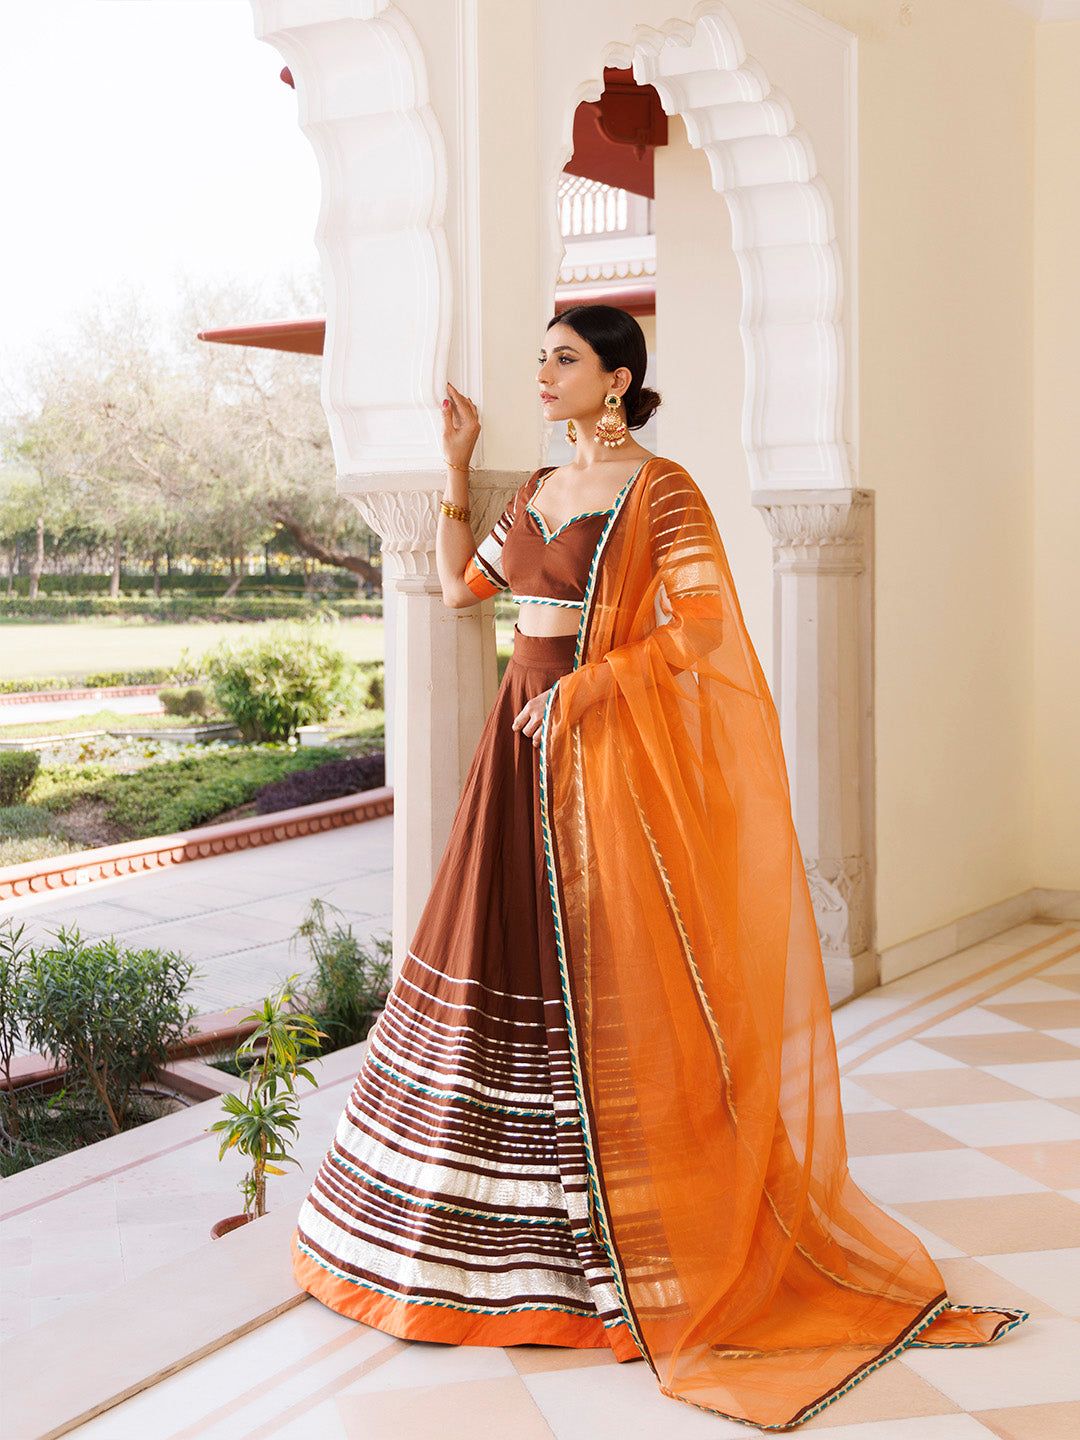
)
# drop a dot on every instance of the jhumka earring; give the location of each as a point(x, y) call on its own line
point(571, 432)
point(611, 428)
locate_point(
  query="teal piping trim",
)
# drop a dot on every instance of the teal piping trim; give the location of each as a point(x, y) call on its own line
point(595, 1192)
point(451, 1094)
point(436, 1304)
point(590, 587)
point(549, 535)
point(335, 1162)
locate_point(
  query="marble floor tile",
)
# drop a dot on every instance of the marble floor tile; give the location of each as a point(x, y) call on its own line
point(1071, 1037)
point(1034, 1422)
point(1029, 992)
point(471, 1410)
point(999, 1224)
point(1052, 1079)
point(1054, 1163)
point(892, 1132)
point(969, 1282)
point(1015, 1048)
point(536, 1359)
point(621, 1402)
point(855, 1099)
point(941, 1087)
point(420, 1366)
point(892, 1392)
point(1012, 1122)
point(937, 1175)
point(974, 1021)
point(907, 1055)
point(937, 1427)
point(1058, 1014)
point(1032, 1365)
point(1052, 1275)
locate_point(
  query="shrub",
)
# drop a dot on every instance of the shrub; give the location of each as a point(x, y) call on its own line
point(99, 680)
point(190, 700)
point(18, 770)
point(287, 676)
point(108, 1014)
point(376, 693)
point(350, 979)
point(174, 795)
point(323, 782)
point(181, 607)
point(13, 950)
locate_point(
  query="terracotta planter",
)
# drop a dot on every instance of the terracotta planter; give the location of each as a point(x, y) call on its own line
point(231, 1222)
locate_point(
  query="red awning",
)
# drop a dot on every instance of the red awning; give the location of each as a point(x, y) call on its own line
point(308, 336)
point(305, 336)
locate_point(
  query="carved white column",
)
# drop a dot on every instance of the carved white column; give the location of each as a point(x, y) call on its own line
point(444, 677)
point(822, 548)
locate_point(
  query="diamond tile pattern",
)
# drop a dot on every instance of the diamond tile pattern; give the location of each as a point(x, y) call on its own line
point(967, 1130)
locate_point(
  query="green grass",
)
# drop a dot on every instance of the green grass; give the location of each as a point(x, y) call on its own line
point(82, 647)
point(28, 833)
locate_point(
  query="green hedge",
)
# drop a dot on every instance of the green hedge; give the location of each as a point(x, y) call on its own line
point(132, 583)
point(97, 680)
point(176, 794)
point(180, 607)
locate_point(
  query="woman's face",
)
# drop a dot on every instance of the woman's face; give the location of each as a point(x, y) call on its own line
point(573, 383)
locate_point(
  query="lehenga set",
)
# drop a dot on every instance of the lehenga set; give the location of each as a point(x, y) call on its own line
point(601, 1107)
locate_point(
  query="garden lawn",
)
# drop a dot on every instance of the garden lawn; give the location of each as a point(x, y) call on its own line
point(79, 647)
point(171, 795)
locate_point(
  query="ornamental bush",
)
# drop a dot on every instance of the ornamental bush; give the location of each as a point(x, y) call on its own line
point(350, 978)
point(324, 782)
point(107, 1013)
point(183, 700)
point(18, 769)
point(287, 676)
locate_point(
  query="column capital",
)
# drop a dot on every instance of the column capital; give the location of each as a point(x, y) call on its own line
point(817, 530)
point(404, 512)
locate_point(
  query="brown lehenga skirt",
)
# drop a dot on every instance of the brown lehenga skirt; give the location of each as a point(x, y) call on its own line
point(453, 1205)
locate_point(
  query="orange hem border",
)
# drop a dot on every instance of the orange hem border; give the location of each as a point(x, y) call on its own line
point(445, 1324)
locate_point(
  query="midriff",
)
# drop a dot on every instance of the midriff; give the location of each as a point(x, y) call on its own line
point(547, 620)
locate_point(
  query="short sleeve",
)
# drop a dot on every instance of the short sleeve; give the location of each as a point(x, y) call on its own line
point(484, 572)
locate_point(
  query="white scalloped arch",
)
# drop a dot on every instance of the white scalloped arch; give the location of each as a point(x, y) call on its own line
point(783, 234)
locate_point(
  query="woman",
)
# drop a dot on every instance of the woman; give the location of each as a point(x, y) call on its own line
point(602, 1106)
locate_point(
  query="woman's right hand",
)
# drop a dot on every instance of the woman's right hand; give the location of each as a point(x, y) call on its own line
point(461, 427)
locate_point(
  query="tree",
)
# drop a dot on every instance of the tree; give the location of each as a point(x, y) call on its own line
point(144, 447)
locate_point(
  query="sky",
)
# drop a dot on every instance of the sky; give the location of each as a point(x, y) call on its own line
point(144, 141)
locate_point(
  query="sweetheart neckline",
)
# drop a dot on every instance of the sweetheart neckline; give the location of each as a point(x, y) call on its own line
point(548, 535)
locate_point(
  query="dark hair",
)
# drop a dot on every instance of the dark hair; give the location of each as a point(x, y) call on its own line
point(618, 340)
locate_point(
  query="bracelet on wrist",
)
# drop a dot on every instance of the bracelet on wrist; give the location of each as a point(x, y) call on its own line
point(465, 469)
point(454, 512)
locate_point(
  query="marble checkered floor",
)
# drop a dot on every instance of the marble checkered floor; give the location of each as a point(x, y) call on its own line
point(962, 1088)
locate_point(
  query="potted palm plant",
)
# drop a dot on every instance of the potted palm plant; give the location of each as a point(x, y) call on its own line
point(261, 1121)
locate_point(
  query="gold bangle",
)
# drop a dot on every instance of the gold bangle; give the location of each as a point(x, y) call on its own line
point(455, 512)
point(465, 469)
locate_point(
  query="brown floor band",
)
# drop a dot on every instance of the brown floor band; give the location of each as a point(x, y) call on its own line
point(970, 1003)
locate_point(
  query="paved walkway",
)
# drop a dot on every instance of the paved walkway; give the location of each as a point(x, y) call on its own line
point(35, 712)
point(233, 914)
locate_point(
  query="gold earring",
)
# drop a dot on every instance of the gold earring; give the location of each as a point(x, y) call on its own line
point(611, 428)
point(571, 432)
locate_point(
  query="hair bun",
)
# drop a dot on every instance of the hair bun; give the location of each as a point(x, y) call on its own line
point(645, 405)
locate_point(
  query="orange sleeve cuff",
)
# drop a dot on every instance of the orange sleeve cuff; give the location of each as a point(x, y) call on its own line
point(478, 582)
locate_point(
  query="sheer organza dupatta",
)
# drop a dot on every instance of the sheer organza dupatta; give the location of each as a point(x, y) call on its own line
point(757, 1279)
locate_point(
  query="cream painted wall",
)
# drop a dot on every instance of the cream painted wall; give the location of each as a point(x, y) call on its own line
point(945, 374)
point(1057, 457)
point(940, 246)
point(700, 369)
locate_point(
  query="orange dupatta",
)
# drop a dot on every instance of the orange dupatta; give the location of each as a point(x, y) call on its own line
point(757, 1279)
